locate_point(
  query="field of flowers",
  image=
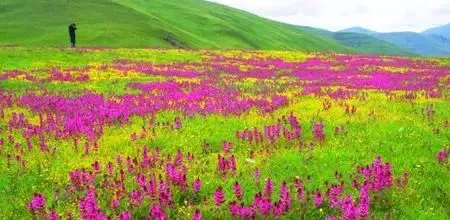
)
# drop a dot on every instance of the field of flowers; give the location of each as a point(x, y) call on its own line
point(174, 134)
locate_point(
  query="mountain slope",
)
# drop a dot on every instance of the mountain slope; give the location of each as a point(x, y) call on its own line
point(429, 43)
point(367, 44)
point(421, 44)
point(143, 23)
point(359, 30)
point(361, 43)
point(443, 30)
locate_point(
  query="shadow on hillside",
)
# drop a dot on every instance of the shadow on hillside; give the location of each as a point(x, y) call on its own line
point(175, 42)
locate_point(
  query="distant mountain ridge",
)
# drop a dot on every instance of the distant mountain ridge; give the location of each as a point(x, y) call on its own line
point(362, 41)
point(443, 30)
point(432, 42)
point(359, 30)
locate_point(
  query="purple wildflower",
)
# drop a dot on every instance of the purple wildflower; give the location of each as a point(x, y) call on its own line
point(37, 203)
point(442, 156)
point(237, 189)
point(125, 215)
point(219, 197)
point(197, 185)
point(318, 200)
point(268, 188)
point(197, 215)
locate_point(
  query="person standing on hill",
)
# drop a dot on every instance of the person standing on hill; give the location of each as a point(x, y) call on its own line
point(72, 29)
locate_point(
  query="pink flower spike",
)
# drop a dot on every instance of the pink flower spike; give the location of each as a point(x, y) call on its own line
point(219, 197)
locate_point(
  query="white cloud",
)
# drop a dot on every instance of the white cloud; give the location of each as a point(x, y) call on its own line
point(379, 15)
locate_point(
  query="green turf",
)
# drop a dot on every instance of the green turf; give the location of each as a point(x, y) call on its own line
point(32, 58)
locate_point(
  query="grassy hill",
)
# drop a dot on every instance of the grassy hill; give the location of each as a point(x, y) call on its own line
point(144, 23)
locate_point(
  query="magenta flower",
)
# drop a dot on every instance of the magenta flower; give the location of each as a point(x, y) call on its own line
point(96, 167)
point(235, 210)
point(119, 160)
point(224, 165)
point(377, 176)
point(318, 200)
point(277, 209)
point(165, 194)
point(37, 203)
point(115, 203)
point(268, 188)
point(265, 206)
point(227, 146)
point(297, 129)
point(89, 208)
point(219, 197)
point(53, 215)
point(221, 164)
point(348, 208)
point(364, 202)
point(136, 197)
point(256, 200)
point(110, 168)
point(247, 212)
point(300, 189)
point(318, 131)
point(125, 215)
point(178, 123)
point(285, 197)
point(333, 194)
point(197, 185)
point(442, 156)
point(197, 215)
point(157, 212)
point(237, 189)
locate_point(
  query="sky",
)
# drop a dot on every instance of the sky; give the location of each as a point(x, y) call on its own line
point(378, 15)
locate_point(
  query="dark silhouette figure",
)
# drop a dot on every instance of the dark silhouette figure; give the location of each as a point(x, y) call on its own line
point(72, 29)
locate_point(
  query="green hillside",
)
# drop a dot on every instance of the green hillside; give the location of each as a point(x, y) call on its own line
point(144, 23)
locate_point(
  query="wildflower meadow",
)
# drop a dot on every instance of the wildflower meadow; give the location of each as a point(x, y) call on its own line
point(98, 133)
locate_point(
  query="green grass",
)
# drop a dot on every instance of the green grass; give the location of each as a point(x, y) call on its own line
point(38, 58)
